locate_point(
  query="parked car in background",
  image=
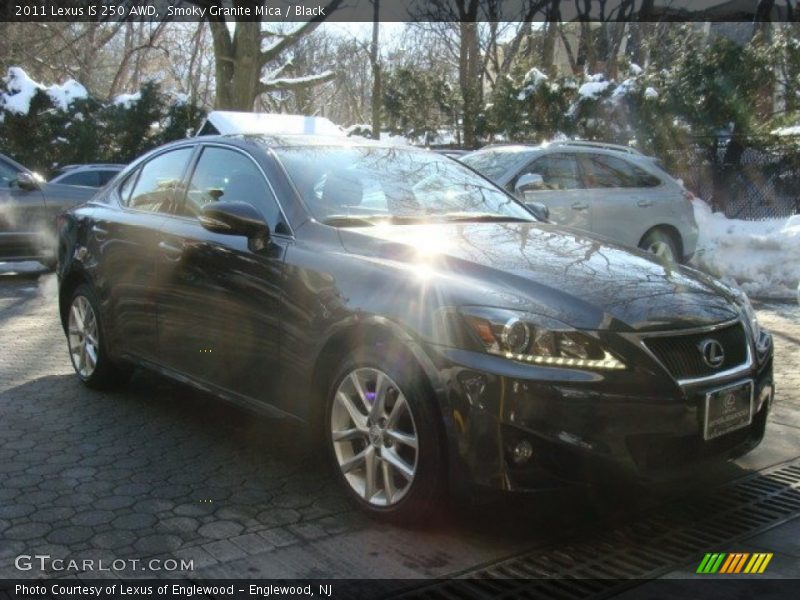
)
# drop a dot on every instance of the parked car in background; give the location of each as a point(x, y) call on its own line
point(431, 332)
point(610, 190)
point(28, 209)
point(95, 175)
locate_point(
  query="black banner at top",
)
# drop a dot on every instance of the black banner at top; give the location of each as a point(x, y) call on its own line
point(399, 10)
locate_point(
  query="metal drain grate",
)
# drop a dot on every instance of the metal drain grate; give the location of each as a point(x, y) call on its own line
point(644, 549)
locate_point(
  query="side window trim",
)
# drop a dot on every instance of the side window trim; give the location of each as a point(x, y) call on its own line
point(140, 167)
point(193, 162)
point(133, 178)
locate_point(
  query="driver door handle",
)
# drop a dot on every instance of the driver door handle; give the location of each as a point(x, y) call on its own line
point(170, 252)
point(645, 203)
point(580, 206)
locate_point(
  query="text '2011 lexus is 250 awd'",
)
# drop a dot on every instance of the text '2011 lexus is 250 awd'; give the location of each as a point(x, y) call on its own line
point(417, 316)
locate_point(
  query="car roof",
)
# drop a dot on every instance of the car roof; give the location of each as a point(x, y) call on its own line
point(293, 140)
point(579, 145)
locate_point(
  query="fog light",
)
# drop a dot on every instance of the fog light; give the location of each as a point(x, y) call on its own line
point(521, 452)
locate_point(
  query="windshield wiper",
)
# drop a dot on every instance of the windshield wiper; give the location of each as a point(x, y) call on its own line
point(369, 220)
point(480, 218)
point(349, 221)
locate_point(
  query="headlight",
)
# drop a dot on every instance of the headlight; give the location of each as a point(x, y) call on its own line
point(761, 338)
point(530, 338)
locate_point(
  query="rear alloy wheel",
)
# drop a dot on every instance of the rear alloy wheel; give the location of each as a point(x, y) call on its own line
point(83, 337)
point(384, 442)
point(86, 345)
point(661, 244)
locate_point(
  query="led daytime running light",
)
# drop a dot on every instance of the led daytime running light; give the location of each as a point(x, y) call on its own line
point(608, 362)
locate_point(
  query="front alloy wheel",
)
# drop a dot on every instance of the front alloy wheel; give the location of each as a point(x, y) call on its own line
point(374, 436)
point(385, 436)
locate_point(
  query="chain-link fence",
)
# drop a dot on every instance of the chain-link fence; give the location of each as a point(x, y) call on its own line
point(759, 181)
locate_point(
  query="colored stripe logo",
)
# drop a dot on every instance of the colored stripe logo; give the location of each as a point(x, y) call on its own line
point(734, 562)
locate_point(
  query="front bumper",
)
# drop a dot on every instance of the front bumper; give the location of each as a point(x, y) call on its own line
point(582, 426)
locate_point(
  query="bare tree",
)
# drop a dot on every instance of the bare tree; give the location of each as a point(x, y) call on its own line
point(242, 56)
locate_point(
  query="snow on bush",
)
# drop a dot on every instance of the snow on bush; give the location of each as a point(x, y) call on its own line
point(532, 80)
point(21, 89)
point(127, 100)
point(761, 257)
point(594, 87)
point(793, 130)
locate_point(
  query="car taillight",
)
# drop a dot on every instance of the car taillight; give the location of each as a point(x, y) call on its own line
point(688, 196)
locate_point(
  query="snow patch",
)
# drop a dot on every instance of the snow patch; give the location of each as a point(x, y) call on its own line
point(793, 130)
point(761, 257)
point(22, 88)
point(592, 89)
point(531, 82)
point(650, 93)
point(127, 100)
point(289, 81)
point(63, 95)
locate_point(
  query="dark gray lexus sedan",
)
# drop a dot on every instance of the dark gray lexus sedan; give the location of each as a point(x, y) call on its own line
point(413, 314)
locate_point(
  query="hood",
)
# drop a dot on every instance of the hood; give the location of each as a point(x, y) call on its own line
point(568, 275)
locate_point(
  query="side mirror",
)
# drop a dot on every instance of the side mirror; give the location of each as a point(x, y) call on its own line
point(539, 210)
point(29, 181)
point(234, 218)
point(529, 182)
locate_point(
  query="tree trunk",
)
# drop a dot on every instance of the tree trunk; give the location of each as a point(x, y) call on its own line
point(238, 64)
point(760, 40)
point(641, 30)
point(470, 81)
point(550, 36)
point(375, 62)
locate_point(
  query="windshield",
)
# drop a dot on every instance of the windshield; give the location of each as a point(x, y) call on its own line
point(363, 185)
point(494, 163)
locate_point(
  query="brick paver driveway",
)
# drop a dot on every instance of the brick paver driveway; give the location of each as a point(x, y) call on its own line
point(159, 470)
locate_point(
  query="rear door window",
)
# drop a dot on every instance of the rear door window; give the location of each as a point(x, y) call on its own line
point(157, 185)
point(604, 171)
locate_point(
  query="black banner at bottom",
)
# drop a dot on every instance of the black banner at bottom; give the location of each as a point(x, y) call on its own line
point(407, 589)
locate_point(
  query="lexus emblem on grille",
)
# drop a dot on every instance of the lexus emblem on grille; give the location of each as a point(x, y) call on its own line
point(713, 354)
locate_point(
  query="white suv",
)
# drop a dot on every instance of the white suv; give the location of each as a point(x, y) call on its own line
point(610, 190)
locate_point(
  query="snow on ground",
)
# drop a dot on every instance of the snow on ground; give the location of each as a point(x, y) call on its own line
point(761, 257)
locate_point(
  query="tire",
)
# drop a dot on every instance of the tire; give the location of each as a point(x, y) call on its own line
point(86, 343)
point(662, 244)
point(408, 483)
